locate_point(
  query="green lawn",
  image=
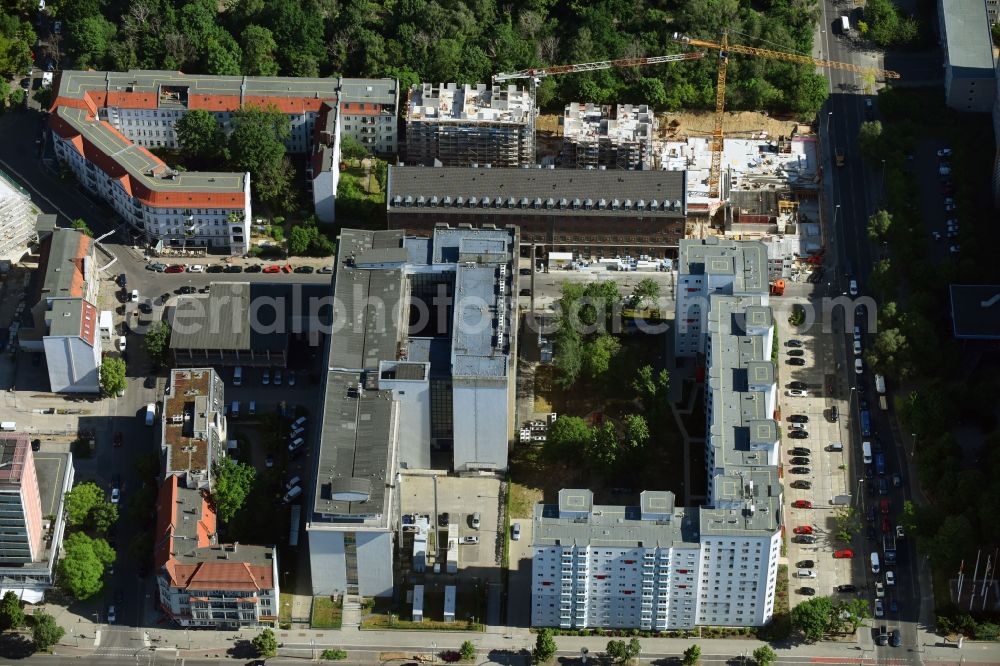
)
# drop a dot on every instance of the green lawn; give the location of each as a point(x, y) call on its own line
point(326, 613)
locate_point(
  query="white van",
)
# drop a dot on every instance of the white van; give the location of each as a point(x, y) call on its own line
point(866, 452)
point(150, 413)
point(8, 426)
point(292, 494)
point(845, 25)
point(880, 384)
point(875, 564)
point(835, 447)
point(238, 376)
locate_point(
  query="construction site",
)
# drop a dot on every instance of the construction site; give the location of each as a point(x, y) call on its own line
point(592, 138)
point(452, 125)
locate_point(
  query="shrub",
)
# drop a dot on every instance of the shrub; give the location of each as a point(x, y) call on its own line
point(334, 655)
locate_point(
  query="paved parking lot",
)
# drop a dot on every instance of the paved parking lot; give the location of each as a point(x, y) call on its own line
point(828, 471)
point(460, 497)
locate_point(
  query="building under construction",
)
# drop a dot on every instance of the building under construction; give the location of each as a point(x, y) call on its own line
point(17, 220)
point(593, 139)
point(451, 125)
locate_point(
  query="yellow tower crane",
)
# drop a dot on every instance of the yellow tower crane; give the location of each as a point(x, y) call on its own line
point(725, 48)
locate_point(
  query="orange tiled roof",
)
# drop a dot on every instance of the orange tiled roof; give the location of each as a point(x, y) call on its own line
point(222, 576)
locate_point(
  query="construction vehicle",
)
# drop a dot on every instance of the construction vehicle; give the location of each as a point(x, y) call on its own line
point(536, 74)
point(778, 287)
point(725, 48)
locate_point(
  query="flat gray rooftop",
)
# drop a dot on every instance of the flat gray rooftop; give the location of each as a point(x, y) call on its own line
point(746, 261)
point(615, 527)
point(975, 311)
point(747, 503)
point(353, 464)
point(476, 349)
point(967, 33)
point(586, 192)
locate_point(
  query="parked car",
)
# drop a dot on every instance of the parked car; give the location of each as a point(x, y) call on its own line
point(890, 577)
point(900, 534)
point(253, 268)
point(804, 538)
point(798, 418)
point(859, 366)
point(793, 343)
point(469, 540)
point(156, 267)
point(879, 608)
point(847, 589)
point(879, 589)
point(944, 152)
point(291, 378)
point(799, 470)
point(802, 485)
point(796, 393)
point(112, 615)
point(802, 504)
point(798, 386)
point(955, 249)
point(844, 554)
point(304, 269)
point(325, 270)
point(174, 268)
point(796, 352)
point(803, 529)
point(805, 564)
point(233, 268)
point(852, 288)
point(265, 377)
point(799, 460)
point(273, 268)
point(799, 451)
point(798, 434)
point(443, 518)
point(894, 638)
point(215, 268)
point(795, 361)
point(949, 208)
point(195, 268)
point(886, 526)
point(807, 591)
point(515, 531)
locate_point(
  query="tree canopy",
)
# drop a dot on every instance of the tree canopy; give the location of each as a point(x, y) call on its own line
point(11, 614)
point(813, 617)
point(621, 652)
point(233, 483)
point(113, 380)
point(200, 137)
point(256, 144)
point(265, 643)
point(157, 342)
point(545, 646)
point(81, 571)
point(45, 631)
point(81, 501)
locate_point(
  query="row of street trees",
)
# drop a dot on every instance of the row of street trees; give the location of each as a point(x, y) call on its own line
point(626, 652)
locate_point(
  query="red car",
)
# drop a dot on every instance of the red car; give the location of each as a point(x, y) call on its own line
point(845, 554)
point(803, 529)
point(175, 268)
point(287, 268)
point(886, 527)
point(118, 438)
point(802, 504)
point(274, 268)
point(885, 506)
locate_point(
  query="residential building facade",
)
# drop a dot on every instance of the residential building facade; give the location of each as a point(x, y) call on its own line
point(480, 125)
point(193, 426)
point(657, 566)
point(587, 212)
point(64, 319)
point(202, 583)
point(105, 123)
point(17, 220)
point(32, 488)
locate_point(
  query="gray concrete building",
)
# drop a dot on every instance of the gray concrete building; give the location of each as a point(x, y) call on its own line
point(969, 67)
point(420, 377)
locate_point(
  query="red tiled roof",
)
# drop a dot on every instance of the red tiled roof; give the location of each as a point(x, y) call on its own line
point(213, 102)
point(165, 504)
point(287, 105)
point(361, 109)
point(222, 576)
point(88, 323)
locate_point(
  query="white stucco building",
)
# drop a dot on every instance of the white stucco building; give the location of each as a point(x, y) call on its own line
point(657, 566)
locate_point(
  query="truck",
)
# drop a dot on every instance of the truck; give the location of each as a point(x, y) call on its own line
point(889, 548)
point(866, 424)
point(880, 464)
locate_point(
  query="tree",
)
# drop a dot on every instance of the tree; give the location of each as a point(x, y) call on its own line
point(233, 483)
point(599, 354)
point(813, 617)
point(545, 646)
point(265, 644)
point(856, 611)
point(45, 631)
point(89, 40)
point(468, 651)
point(81, 226)
point(568, 358)
point(352, 149)
point(305, 240)
point(200, 136)
point(568, 438)
point(223, 56)
point(112, 375)
point(256, 144)
point(621, 652)
point(81, 571)
point(878, 226)
point(764, 655)
point(652, 387)
point(11, 615)
point(647, 289)
point(157, 343)
point(81, 501)
point(103, 516)
point(883, 278)
point(692, 656)
point(636, 430)
point(603, 449)
point(870, 140)
point(258, 51)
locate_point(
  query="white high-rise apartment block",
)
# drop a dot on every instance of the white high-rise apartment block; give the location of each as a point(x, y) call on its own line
point(657, 566)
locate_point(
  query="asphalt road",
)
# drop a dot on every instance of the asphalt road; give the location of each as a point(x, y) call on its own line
point(857, 191)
